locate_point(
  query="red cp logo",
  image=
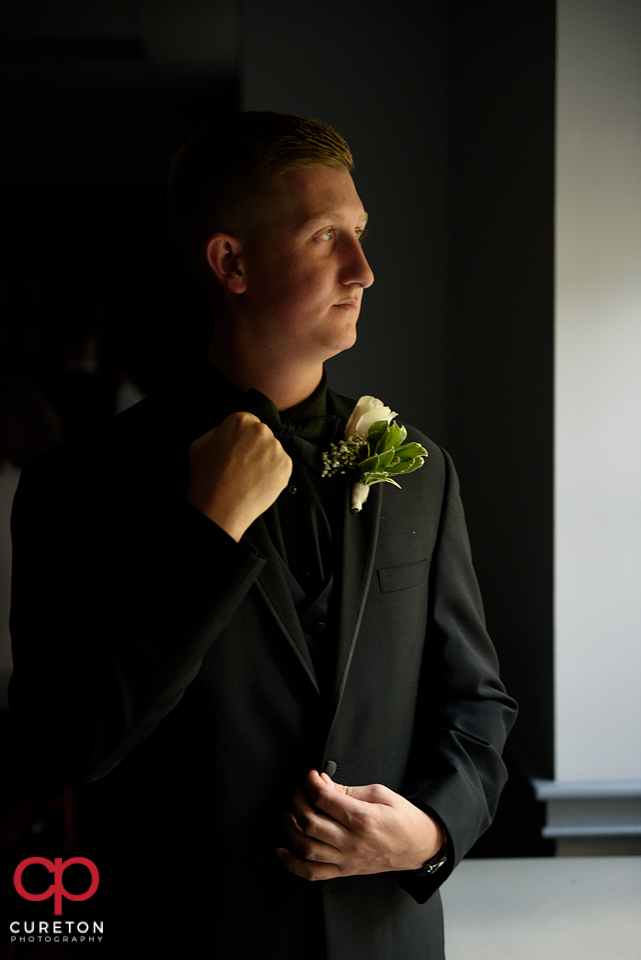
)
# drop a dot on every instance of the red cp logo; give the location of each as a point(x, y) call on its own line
point(57, 889)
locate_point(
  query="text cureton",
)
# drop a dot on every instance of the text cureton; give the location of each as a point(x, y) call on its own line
point(56, 926)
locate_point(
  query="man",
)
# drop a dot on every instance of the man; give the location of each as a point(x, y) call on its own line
point(269, 690)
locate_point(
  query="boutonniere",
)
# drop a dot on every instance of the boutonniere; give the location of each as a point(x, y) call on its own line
point(373, 450)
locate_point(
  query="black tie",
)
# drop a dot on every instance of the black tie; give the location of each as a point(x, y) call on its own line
point(304, 439)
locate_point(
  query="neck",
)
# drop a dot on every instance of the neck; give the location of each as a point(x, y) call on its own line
point(286, 381)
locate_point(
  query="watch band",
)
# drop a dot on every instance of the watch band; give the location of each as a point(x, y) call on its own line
point(434, 863)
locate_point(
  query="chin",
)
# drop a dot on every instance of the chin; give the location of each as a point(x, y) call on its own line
point(339, 345)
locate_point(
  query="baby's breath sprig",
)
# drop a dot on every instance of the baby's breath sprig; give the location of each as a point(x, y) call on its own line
point(344, 456)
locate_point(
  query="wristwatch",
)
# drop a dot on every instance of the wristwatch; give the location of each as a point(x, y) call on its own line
point(432, 865)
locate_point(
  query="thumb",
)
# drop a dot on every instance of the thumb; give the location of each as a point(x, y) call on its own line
point(367, 793)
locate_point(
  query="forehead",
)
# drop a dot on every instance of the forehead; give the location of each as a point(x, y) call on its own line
point(311, 194)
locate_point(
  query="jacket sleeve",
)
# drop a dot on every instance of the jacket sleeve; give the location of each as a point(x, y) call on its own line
point(115, 600)
point(464, 713)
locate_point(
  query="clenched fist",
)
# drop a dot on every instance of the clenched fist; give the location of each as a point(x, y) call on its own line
point(237, 471)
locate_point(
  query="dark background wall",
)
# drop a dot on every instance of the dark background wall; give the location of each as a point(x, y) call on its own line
point(448, 106)
point(449, 109)
point(96, 98)
point(502, 75)
point(381, 79)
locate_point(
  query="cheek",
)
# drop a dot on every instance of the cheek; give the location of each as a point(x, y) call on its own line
point(304, 290)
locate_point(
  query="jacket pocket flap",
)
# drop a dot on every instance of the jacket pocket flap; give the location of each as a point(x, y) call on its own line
point(401, 578)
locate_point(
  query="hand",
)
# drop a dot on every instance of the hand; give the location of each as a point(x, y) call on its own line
point(237, 471)
point(338, 831)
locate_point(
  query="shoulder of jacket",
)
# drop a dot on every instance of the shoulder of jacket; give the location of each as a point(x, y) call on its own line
point(125, 438)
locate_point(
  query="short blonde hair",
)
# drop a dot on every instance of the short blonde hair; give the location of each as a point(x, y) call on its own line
point(220, 175)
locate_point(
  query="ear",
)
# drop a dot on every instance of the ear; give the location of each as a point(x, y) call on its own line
point(225, 262)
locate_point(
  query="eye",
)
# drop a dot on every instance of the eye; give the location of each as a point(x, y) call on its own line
point(327, 234)
point(361, 234)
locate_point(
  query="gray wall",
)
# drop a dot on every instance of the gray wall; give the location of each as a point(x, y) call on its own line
point(598, 393)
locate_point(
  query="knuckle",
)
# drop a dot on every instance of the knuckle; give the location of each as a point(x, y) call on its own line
point(364, 823)
point(308, 851)
point(258, 430)
point(307, 825)
point(320, 798)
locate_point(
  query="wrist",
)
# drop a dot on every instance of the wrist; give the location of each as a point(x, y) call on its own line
point(225, 519)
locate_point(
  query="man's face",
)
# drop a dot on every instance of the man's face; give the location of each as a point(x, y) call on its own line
point(305, 268)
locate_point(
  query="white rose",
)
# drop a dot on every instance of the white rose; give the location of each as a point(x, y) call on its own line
point(367, 411)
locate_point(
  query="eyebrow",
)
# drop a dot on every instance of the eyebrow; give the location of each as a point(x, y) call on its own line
point(330, 216)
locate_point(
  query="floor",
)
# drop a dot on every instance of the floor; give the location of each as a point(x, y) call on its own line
point(552, 908)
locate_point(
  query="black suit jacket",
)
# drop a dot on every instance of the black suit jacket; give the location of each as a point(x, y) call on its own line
point(155, 653)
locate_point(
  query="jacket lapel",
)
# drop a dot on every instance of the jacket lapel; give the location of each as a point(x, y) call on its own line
point(356, 551)
point(275, 584)
point(356, 555)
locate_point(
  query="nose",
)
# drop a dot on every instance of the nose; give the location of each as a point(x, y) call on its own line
point(356, 269)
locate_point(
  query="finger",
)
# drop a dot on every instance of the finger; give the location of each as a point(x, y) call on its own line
point(306, 848)
point(305, 869)
point(317, 845)
point(332, 800)
point(299, 804)
point(199, 442)
point(369, 792)
point(350, 806)
point(240, 418)
point(304, 810)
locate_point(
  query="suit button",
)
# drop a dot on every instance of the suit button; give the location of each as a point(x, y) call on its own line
point(320, 629)
point(330, 768)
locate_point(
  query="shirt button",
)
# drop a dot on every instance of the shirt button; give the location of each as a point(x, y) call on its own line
point(291, 489)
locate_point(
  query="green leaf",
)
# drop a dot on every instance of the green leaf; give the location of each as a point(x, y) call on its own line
point(405, 466)
point(415, 465)
point(385, 459)
point(376, 431)
point(374, 477)
point(381, 446)
point(393, 435)
point(398, 469)
point(411, 450)
point(371, 463)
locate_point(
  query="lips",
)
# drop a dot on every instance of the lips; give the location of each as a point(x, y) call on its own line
point(350, 302)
